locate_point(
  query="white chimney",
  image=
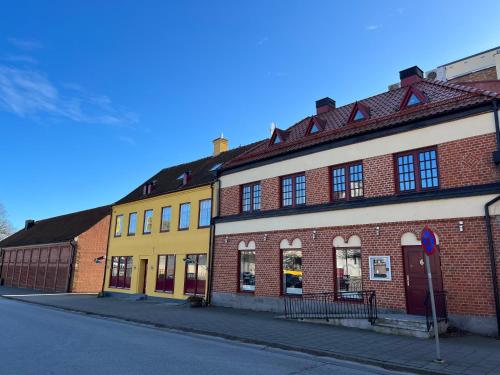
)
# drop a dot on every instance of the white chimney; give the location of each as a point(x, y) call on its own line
point(271, 128)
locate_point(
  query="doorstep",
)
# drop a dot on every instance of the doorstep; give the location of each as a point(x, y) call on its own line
point(388, 323)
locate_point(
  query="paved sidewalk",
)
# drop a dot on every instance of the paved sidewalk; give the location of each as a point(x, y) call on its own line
point(463, 355)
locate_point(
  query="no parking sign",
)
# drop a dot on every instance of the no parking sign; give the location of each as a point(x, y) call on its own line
point(428, 239)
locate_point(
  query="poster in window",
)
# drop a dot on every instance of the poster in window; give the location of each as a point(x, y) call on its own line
point(380, 268)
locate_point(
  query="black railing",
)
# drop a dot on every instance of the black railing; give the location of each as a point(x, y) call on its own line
point(332, 305)
point(441, 308)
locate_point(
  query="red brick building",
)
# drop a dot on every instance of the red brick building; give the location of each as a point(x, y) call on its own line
point(336, 203)
point(60, 254)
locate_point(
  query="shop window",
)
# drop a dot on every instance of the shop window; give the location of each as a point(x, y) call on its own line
point(166, 273)
point(121, 272)
point(292, 271)
point(247, 270)
point(196, 274)
point(348, 265)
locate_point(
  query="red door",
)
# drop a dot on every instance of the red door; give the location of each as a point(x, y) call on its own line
point(416, 283)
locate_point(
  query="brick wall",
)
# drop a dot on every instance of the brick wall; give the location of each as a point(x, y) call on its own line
point(92, 244)
point(482, 75)
point(461, 163)
point(468, 162)
point(464, 262)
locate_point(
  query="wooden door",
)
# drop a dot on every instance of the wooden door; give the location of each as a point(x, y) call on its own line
point(416, 283)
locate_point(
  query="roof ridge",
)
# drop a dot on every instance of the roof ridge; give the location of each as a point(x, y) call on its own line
point(74, 213)
point(462, 87)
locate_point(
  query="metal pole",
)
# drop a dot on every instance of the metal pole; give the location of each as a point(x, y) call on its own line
point(433, 305)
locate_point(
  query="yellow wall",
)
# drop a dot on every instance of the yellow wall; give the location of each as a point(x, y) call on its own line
point(149, 246)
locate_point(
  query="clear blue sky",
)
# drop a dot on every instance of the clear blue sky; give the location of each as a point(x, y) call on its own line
point(96, 96)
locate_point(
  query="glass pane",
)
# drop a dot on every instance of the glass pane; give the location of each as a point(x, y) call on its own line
point(119, 225)
point(128, 274)
point(202, 274)
point(245, 198)
point(314, 129)
point(185, 216)
point(287, 191)
point(148, 221)
point(413, 100)
point(356, 180)
point(349, 272)
point(190, 278)
point(428, 169)
point(292, 271)
point(339, 183)
point(256, 196)
point(300, 190)
point(166, 217)
point(160, 279)
point(132, 223)
point(247, 270)
point(205, 212)
point(406, 173)
point(358, 116)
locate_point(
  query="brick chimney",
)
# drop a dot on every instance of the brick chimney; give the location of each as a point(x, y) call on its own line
point(410, 76)
point(220, 145)
point(324, 105)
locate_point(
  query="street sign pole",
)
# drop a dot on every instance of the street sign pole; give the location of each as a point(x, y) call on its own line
point(433, 305)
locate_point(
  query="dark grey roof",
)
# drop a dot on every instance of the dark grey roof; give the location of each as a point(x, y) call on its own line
point(57, 229)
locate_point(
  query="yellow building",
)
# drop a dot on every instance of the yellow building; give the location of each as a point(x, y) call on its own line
point(160, 237)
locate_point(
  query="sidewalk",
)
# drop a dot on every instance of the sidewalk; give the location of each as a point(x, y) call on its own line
point(463, 355)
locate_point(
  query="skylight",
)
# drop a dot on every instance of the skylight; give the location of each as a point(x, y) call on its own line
point(215, 167)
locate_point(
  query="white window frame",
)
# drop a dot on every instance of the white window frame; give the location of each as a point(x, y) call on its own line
point(387, 260)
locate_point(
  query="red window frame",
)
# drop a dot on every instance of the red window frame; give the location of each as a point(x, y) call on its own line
point(252, 197)
point(121, 282)
point(416, 170)
point(165, 284)
point(347, 183)
point(196, 287)
point(294, 190)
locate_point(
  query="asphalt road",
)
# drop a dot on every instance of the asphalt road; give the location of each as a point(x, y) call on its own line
point(40, 340)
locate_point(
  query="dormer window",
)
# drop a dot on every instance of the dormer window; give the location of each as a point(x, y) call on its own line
point(314, 128)
point(148, 188)
point(276, 140)
point(315, 125)
point(359, 112)
point(185, 177)
point(278, 136)
point(412, 98)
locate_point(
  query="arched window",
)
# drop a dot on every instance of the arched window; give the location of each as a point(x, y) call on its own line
point(348, 267)
point(246, 255)
point(291, 266)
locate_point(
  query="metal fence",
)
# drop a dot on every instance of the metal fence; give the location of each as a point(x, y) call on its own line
point(441, 308)
point(332, 305)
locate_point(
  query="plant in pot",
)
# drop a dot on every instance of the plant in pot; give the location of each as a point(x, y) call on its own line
point(196, 301)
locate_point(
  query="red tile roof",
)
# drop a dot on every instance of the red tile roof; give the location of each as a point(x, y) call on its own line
point(442, 97)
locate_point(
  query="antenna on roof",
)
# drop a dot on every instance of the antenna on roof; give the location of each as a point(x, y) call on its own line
point(272, 127)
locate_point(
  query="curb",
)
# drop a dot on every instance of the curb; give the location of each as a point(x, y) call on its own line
point(314, 352)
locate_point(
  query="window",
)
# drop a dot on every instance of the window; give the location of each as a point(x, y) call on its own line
point(250, 197)
point(413, 100)
point(359, 116)
point(314, 129)
point(412, 97)
point(276, 140)
point(121, 272)
point(359, 112)
point(347, 181)
point(292, 271)
point(348, 262)
point(184, 215)
point(148, 222)
point(417, 170)
point(205, 214)
point(166, 217)
point(132, 223)
point(118, 225)
point(166, 273)
point(247, 270)
point(293, 190)
point(196, 274)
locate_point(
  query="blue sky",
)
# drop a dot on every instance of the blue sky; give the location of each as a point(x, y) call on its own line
point(97, 96)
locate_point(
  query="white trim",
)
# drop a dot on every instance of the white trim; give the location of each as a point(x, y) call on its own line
point(426, 210)
point(296, 244)
point(387, 259)
point(243, 246)
point(354, 241)
point(410, 239)
point(429, 136)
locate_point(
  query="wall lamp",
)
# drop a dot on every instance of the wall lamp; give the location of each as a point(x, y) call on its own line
point(377, 230)
point(265, 237)
point(461, 226)
point(226, 239)
point(314, 234)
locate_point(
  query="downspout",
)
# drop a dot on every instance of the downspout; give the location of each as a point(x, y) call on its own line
point(69, 281)
point(489, 229)
point(211, 248)
point(101, 294)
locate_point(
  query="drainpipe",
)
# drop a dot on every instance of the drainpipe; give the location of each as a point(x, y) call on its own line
point(496, 154)
point(211, 248)
point(107, 251)
point(491, 250)
point(69, 281)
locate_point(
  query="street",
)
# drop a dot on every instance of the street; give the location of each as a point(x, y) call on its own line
point(39, 340)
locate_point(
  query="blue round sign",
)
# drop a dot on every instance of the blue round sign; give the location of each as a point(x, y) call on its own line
point(428, 239)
